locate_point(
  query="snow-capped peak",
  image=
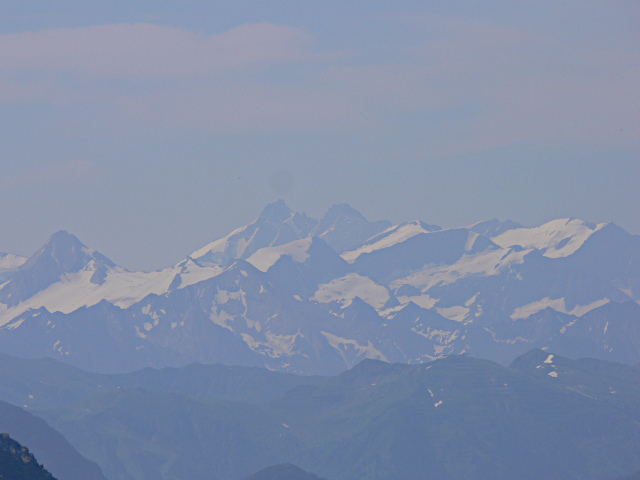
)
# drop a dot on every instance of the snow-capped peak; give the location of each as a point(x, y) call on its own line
point(276, 225)
point(69, 253)
point(62, 254)
point(344, 228)
point(557, 238)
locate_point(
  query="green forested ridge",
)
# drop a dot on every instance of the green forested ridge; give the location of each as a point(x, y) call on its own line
point(17, 463)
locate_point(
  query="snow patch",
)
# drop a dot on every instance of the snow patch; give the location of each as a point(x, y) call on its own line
point(471, 239)
point(472, 300)
point(456, 313)
point(139, 333)
point(220, 318)
point(424, 301)
point(341, 344)
point(264, 258)
point(11, 262)
point(121, 288)
point(394, 235)
point(557, 304)
point(487, 263)
point(390, 312)
point(220, 245)
point(16, 324)
point(558, 238)
point(346, 288)
point(273, 345)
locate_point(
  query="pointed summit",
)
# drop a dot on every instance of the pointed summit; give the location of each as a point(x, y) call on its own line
point(277, 220)
point(275, 226)
point(344, 228)
point(342, 210)
point(67, 252)
point(276, 211)
point(62, 253)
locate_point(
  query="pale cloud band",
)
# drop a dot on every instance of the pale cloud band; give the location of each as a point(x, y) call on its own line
point(145, 51)
point(493, 83)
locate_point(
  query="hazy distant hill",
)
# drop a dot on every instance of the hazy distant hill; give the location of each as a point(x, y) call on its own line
point(46, 383)
point(47, 444)
point(457, 417)
point(283, 472)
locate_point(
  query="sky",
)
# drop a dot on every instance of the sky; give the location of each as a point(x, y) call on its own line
point(151, 128)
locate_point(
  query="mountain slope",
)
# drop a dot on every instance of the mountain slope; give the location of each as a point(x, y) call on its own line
point(44, 383)
point(275, 226)
point(344, 228)
point(17, 463)
point(62, 253)
point(454, 418)
point(47, 444)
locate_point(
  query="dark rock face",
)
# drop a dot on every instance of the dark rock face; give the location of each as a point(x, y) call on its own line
point(17, 463)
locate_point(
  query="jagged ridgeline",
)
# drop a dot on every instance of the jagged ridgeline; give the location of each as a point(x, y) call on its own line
point(296, 294)
point(17, 463)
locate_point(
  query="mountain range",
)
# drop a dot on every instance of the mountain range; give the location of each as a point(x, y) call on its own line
point(296, 294)
point(457, 417)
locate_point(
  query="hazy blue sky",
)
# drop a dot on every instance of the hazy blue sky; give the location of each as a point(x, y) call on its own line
point(151, 128)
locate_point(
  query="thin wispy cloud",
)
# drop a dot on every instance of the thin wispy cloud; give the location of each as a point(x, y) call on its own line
point(145, 51)
point(495, 82)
